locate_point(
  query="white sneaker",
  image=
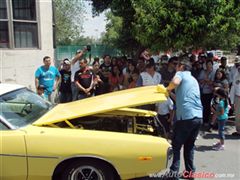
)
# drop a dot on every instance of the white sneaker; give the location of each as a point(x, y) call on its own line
point(216, 143)
point(219, 147)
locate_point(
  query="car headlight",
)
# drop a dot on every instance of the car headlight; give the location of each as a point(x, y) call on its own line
point(169, 157)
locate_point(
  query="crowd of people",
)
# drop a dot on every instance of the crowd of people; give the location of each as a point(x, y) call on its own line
point(203, 89)
point(77, 79)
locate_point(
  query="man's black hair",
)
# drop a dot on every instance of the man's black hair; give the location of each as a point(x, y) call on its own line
point(45, 57)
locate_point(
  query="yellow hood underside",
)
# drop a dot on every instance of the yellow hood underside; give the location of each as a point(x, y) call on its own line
point(104, 103)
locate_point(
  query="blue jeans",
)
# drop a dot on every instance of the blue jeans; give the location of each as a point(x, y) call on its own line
point(75, 91)
point(185, 133)
point(221, 125)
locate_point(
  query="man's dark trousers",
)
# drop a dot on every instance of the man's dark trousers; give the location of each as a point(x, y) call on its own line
point(185, 133)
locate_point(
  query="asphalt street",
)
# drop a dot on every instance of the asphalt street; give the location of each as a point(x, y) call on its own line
point(225, 165)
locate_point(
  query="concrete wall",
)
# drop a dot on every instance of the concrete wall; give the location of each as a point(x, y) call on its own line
point(19, 65)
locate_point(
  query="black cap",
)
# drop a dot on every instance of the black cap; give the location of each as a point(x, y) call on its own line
point(40, 87)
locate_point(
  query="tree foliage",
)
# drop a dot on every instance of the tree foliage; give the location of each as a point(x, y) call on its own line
point(172, 24)
point(69, 17)
point(186, 23)
point(120, 32)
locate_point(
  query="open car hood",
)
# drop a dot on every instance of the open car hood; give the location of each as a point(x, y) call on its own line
point(104, 103)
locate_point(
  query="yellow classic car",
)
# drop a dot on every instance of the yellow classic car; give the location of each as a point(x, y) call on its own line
point(72, 141)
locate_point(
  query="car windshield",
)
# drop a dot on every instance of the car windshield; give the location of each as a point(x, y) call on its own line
point(22, 107)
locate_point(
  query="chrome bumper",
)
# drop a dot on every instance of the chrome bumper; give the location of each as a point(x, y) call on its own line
point(169, 157)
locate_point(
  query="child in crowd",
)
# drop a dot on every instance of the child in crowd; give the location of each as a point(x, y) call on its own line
point(222, 116)
point(134, 78)
point(214, 104)
point(40, 91)
point(166, 114)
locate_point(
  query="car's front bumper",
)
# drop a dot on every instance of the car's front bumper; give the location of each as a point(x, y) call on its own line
point(169, 157)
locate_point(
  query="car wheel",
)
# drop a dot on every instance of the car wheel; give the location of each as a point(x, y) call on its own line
point(88, 170)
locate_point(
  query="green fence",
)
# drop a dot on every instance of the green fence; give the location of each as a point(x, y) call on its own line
point(96, 51)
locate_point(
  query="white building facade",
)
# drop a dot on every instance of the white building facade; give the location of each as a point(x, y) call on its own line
point(26, 36)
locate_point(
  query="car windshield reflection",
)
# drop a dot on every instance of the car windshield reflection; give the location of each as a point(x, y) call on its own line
point(22, 107)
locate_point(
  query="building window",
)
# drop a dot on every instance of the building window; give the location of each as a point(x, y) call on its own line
point(24, 9)
point(25, 35)
point(4, 36)
point(21, 25)
point(3, 9)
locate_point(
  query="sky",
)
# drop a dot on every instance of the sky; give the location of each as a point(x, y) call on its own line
point(93, 27)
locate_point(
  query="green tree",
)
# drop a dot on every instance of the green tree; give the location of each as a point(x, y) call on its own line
point(69, 16)
point(187, 23)
point(120, 32)
point(175, 24)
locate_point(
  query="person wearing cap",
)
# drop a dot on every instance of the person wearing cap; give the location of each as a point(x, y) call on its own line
point(40, 91)
point(163, 63)
point(148, 78)
point(225, 67)
point(49, 77)
point(234, 68)
point(75, 66)
point(235, 96)
point(168, 73)
point(189, 115)
point(65, 91)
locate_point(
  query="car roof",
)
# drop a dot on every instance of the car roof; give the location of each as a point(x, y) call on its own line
point(104, 103)
point(6, 88)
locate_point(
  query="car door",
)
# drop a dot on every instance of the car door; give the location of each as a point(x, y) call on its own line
point(13, 160)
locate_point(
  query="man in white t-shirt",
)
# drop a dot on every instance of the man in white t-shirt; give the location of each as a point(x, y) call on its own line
point(75, 66)
point(148, 78)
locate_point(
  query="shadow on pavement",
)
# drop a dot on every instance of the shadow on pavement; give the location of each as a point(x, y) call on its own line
point(215, 136)
point(203, 148)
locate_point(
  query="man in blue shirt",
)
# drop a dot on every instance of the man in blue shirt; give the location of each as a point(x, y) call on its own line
point(189, 116)
point(46, 75)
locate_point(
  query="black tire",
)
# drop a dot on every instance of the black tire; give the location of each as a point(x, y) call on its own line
point(100, 171)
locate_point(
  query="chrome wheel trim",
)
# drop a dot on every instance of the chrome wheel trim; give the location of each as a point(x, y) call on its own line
point(86, 173)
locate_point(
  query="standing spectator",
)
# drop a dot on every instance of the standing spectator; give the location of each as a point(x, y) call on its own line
point(65, 86)
point(169, 72)
point(141, 65)
point(222, 116)
point(135, 76)
point(149, 77)
point(128, 75)
point(98, 76)
point(106, 69)
point(116, 79)
point(75, 66)
point(189, 115)
point(49, 77)
point(206, 79)
point(234, 69)
point(220, 81)
point(197, 68)
point(235, 97)
point(225, 67)
point(163, 63)
point(84, 80)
